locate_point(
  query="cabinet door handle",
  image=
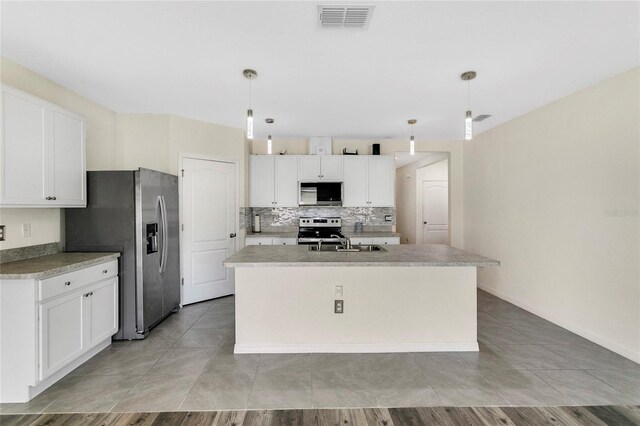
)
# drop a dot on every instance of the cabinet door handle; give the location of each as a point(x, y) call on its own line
point(53, 198)
point(232, 235)
point(67, 283)
point(87, 294)
point(104, 271)
point(48, 198)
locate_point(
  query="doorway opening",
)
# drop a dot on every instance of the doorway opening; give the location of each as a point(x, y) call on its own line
point(423, 197)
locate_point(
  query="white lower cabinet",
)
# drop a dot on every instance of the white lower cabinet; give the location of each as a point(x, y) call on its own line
point(101, 312)
point(375, 240)
point(62, 331)
point(270, 241)
point(51, 325)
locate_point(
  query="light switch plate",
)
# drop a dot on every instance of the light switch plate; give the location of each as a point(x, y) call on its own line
point(1, 232)
point(26, 230)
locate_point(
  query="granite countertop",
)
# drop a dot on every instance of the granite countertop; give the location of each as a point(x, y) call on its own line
point(396, 255)
point(54, 264)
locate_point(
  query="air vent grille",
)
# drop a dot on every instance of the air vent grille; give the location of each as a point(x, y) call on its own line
point(342, 16)
point(481, 117)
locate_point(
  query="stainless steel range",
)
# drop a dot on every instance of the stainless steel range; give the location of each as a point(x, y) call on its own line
point(325, 230)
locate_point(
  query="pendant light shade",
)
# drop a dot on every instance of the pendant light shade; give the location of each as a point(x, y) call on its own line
point(468, 126)
point(468, 117)
point(249, 124)
point(269, 140)
point(250, 75)
point(412, 139)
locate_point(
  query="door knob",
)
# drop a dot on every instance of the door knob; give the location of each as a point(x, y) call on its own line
point(232, 235)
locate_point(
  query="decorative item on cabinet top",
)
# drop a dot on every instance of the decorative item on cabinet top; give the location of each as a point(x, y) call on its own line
point(43, 145)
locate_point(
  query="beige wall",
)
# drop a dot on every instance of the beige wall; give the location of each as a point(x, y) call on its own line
point(119, 142)
point(554, 195)
point(143, 141)
point(407, 188)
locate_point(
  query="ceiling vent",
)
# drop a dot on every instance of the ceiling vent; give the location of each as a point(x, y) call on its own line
point(342, 16)
point(481, 117)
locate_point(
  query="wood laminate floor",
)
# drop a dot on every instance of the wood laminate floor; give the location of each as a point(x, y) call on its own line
point(187, 365)
point(453, 416)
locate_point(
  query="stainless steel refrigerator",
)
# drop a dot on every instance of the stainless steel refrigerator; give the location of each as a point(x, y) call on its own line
point(134, 213)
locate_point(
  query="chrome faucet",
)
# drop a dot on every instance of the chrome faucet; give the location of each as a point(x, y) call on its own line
point(346, 243)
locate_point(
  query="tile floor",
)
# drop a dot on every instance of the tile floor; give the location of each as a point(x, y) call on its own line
point(187, 364)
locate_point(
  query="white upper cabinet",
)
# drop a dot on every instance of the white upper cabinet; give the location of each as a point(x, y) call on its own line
point(43, 153)
point(261, 181)
point(273, 181)
point(286, 181)
point(320, 168)
point(382, 173)
point(369, 181)
point(67, 146)
point(24, 149)
point(355, 184)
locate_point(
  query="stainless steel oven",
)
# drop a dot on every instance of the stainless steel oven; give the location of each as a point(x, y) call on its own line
point(313, 230)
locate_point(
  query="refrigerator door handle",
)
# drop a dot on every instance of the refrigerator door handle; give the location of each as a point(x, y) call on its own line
point(162, 232)
point(165, 237)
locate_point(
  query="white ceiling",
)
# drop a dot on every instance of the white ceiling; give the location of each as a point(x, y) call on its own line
point(186, 58)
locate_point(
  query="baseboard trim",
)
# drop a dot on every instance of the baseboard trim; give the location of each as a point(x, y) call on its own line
point(355, 348)
point(602, 341)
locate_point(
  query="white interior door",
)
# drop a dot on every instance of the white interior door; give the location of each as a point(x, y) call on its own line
point(209, 219)
point(435, 212)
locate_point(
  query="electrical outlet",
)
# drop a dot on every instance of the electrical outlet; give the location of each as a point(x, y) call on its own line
point(26, 230)
point(388, 218)
point(338, 306)
point(1, 232)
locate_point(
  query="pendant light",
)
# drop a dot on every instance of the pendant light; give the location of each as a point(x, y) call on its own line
point(269, 141)
point(468, 120)
point(412, 139)
point(249, 74)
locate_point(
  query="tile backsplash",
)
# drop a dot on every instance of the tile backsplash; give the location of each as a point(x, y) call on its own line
point(286, 218)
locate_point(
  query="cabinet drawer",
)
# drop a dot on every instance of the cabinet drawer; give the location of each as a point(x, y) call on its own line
point(285, 241)
point(258, 241)
point(361, 240)
point(100, 272)
point(386, 240)
point(61, 284)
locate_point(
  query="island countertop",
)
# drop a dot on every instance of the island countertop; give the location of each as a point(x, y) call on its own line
point(54, 264)
point(405, 255)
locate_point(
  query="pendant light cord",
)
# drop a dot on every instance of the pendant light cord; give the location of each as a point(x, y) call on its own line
point(468, 95)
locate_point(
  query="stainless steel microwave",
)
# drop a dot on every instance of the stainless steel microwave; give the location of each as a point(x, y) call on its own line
point(320, 194)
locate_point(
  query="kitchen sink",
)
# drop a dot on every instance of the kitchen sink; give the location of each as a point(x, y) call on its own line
point(356, 248)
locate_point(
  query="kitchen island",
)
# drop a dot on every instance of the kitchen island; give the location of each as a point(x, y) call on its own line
point(407, 298)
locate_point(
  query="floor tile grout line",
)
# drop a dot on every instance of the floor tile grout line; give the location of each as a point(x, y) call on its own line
point(605, 382)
